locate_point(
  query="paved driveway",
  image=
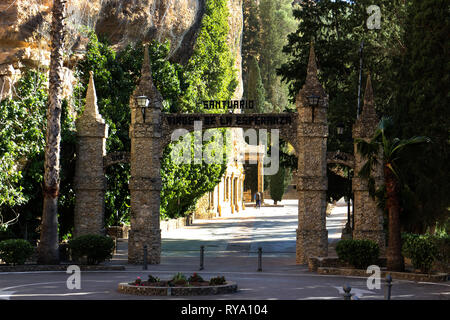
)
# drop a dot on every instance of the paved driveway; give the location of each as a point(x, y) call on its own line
point(271, 228)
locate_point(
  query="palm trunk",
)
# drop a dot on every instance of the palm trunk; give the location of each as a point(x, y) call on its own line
point(394, 251)
point(48, 245)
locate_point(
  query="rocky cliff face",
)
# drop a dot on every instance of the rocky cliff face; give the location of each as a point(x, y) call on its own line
point(25, 31)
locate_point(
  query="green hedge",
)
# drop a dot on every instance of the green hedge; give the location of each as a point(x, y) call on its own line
point(217, 281)
point(442, 244)
point(359, 253)
point(95, 248)
point(15, 251)
point(424, 250)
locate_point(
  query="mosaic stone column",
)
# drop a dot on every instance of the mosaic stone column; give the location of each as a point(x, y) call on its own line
point(260, 165)
point(90, 181)
point(368, 216)
point(145, 181)
point(312, 183)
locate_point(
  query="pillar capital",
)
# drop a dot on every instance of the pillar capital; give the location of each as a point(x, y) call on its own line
point(312, 87)
point(367, 121)
point(91, 123)
point(146, 86)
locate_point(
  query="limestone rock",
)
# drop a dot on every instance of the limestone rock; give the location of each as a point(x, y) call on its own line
point(25, 31)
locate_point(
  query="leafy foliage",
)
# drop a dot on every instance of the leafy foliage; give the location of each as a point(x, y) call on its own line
point(22, 149)
point(255, 87)
point(442, 244)
point(390, 146)
point(407, 60)
point(21, 137)
point(277, 21)
point(359, 253)
point(195, 278)
point(420, 105)
point(95, 248)
point(209, 73)
point(15, 251)
point(420, 249)
point(178, 279)
point(152, 279)
point(217, 281)
point(279, 183)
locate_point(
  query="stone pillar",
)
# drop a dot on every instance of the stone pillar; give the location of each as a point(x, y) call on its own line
point(312, 183)
point(145, 181)
point(232, 195)
point(368, 217)
point(90, 181)
point(260, 165)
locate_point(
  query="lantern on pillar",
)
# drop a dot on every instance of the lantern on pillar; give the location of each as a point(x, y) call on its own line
point(340, 129)
point(313, 102)
point(142, 102)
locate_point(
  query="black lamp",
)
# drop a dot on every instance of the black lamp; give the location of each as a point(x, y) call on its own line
point(313, 102)
point(142, 102)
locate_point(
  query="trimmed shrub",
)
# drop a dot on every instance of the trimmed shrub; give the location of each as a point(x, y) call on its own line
point(442, 244)
point(359, 253)
point(217, 281)
point(195, 278)
point(152, 279)
point(421, 249)
point(95, 248)
point(179, 279)
point(15, 251)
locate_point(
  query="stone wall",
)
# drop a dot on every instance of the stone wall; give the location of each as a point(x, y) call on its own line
point(202, 210)
point(173, 224)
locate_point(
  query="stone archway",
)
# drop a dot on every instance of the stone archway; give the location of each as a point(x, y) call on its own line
point(305, 130)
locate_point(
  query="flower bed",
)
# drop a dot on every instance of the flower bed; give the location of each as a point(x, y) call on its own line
point(178, 286)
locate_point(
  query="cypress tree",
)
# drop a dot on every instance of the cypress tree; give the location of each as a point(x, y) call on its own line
point(422, 108)
point(255, 87)
point(279, 183)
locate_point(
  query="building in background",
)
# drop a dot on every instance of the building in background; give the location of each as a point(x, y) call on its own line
point(228, 197)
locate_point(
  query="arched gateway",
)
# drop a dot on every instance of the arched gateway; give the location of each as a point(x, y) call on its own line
point(306, 130)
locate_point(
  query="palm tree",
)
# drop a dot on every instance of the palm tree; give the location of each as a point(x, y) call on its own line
point(48, 245)
point(391, 151)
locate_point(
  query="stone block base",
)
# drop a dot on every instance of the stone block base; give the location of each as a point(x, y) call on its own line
point(136, 242)
point(311, 243)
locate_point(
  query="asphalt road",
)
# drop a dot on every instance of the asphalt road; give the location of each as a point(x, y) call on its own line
point(231, 245)
point(280, 279)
